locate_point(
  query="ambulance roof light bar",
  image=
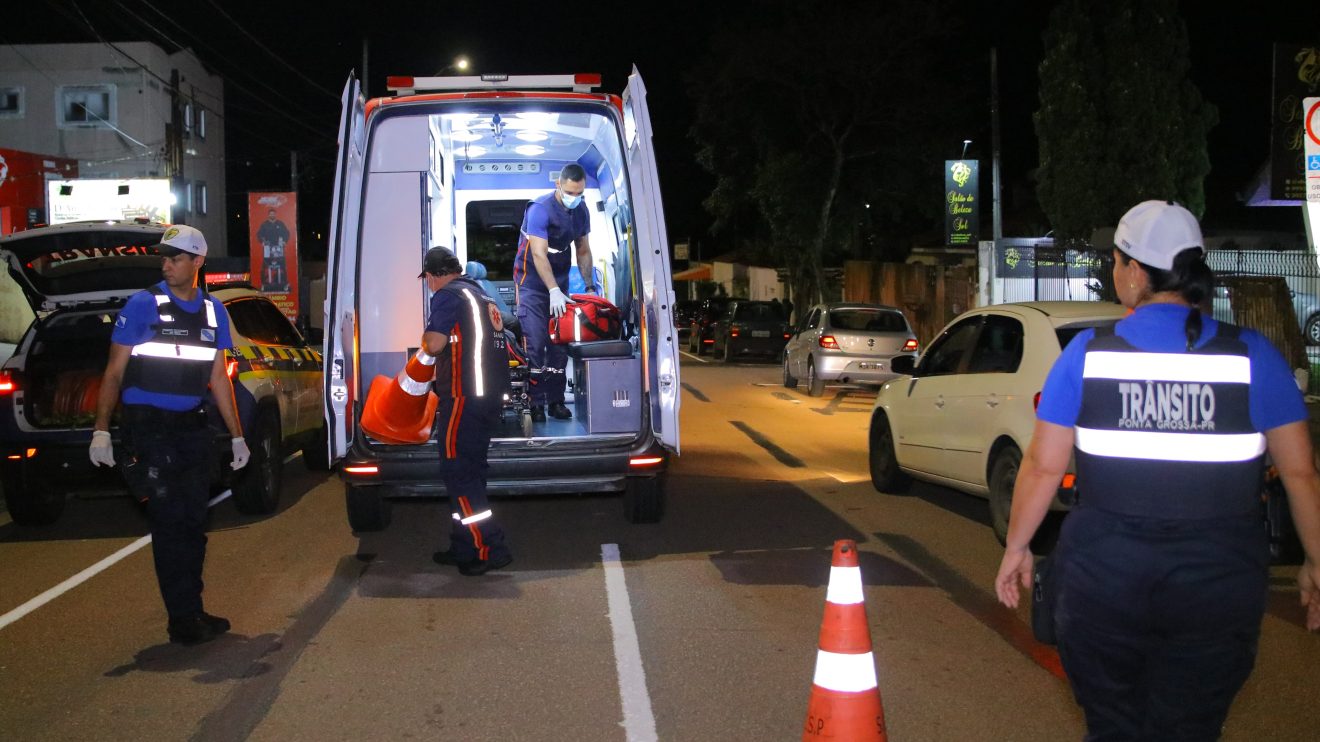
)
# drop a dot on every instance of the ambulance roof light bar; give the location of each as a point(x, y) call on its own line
point(579, 83)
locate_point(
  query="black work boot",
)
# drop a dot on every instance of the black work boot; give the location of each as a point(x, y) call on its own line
point(538, 414)
point(218, 624)
point(478, 567)
point(559, 411)
point(191, 630)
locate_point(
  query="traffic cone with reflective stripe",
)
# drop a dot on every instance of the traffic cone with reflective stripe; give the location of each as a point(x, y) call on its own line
point(845, 700)
point(402, 410)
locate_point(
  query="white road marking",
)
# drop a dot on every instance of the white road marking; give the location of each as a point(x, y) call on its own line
point(86, 574)
point(638, 720)
point(693, 357)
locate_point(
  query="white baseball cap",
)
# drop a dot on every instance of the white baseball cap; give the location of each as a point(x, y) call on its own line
point(182, 238)
point(1154, 232)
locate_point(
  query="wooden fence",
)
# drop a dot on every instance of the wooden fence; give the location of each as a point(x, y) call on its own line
point(929, 295)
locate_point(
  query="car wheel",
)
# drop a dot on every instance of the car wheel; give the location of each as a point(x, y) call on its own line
point(30, 501)
point(815, 384)
point(790, 380)
point(644, 498)
point(693, 341)
point(257, 489)
point(1003, 474)
point(368, 510)
point(728, 352)
point(1312, 330)
point(886, 476)
point(316, 454)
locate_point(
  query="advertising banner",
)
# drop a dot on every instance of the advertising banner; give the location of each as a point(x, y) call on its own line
point(961, 210)
point(1296, 76)
point(273, 247)
point(85, 199)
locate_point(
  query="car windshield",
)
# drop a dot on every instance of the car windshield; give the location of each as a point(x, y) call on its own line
point(77, 262)
point(757, 313)
point(867, 320)
point(1067, 332)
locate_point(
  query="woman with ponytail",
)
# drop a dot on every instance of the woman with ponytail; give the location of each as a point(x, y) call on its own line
point(1161, 570)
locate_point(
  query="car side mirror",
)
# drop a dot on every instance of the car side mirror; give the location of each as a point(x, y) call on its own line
point(903, 364)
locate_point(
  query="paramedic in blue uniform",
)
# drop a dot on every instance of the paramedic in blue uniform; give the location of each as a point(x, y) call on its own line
point(166, 350)
point(1161, 569)
point(554, 231)
point(465, 335)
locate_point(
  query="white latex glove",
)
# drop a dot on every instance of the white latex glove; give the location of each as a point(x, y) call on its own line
point(557, 302)
point(102, 451)
point(241, 453)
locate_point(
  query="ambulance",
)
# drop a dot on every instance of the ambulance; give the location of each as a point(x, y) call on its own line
point(453, 161)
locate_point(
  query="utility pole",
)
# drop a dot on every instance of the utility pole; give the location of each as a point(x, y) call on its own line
point(364, 68)
point(994, 145)
point(174, 149)
point(293, 170)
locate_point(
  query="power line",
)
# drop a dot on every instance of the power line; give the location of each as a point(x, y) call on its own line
point(277, 57)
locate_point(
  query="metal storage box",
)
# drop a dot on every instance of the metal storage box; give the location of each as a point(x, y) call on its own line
point(607, 394)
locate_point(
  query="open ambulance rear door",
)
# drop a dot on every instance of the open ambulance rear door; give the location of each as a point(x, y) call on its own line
point(659, 345)
point(340, 350)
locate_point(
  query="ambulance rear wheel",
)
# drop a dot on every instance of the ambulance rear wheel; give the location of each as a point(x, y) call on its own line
point(527, 423)
point(644, 498)
point(257, 488)
point(368, 510)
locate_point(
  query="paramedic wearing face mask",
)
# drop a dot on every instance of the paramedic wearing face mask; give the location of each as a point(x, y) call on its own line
point(166, 354)
point(465, 340)
point(554, 230)
point(1161, 571)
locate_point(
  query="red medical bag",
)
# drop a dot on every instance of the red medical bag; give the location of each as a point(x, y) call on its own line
point(586, 318)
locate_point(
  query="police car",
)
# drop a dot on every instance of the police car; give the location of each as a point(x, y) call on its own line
point(76, 277)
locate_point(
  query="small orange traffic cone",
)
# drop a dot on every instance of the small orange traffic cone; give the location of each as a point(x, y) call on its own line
point(402, 410)
point(845, 700)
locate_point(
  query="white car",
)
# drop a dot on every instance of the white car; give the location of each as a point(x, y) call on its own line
point(965, 414)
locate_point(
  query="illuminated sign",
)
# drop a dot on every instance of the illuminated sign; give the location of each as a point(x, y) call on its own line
point(962, 224)
point(85, 199)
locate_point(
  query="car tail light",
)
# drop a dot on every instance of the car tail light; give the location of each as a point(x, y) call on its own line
point(1069, 481)
point(828, 341)
point(231, 368)
point(1035, 401)
point(910, 346)
point(8, 384)
point(788, 335)
point(734, 330)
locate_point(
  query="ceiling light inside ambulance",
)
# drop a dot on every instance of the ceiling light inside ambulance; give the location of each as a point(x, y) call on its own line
point(532, 135)
point(471, 152)
point(536, 117)
point(531, 150)
point(465, 136)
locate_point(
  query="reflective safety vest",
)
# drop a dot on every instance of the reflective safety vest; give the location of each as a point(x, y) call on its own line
point(475, 362)
point(1168, 435)
point(178, 358)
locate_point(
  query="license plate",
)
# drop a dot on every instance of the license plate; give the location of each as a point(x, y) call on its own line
point(871, 366)
point(760, 333)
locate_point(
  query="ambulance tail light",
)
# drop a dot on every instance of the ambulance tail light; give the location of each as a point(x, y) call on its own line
point(910, 346)
point(828, 342)
point(638, 462)
point(8, 383)
point(362, 470)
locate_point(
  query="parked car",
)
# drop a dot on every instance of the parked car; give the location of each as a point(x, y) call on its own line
point(750, 328)
point(966, 410)
point(685, 313)
point(703, 321)
point(1305, 305)
point(846, 342)
point(77, 277)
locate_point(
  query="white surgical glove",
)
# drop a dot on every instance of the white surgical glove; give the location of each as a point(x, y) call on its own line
point(241, 453)
point(557, 302)
point(102, 451)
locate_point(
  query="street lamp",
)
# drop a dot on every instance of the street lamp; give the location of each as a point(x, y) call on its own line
point(460, 64)
point(964, 153)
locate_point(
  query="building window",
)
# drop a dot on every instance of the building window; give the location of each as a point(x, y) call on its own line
point(201, 122)
point(11, 102)
point(199, 198)
point(187, 120)
point(86, 106)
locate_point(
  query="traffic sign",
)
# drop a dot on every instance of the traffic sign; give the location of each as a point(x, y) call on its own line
point(1311, 119)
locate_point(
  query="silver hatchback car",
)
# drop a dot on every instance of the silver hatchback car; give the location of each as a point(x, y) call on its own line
point(846, 342)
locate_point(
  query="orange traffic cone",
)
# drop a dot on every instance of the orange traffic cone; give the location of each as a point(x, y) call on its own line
point(402, 410)
point(845, 700)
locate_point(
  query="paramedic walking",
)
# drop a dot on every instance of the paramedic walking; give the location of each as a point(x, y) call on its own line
point(554, 231)
point(465, 340)
point(1160, 574)
point(166, 349)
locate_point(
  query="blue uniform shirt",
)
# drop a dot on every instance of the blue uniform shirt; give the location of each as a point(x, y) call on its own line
point(1158, 328)
point(134, 326)
point(547, 218)
point(444, 312)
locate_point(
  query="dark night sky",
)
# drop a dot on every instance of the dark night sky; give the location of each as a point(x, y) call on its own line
point(322, 41)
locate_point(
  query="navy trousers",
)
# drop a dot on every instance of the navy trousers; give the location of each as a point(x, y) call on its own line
point(545, 360)
point(1158, 621)
point(466, 424)
point(170, 469)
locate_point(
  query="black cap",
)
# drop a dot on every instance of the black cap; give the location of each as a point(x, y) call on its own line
point(440, 262)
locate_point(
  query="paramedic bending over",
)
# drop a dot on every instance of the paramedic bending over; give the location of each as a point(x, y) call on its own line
point(552, 225)
point(1161, 571)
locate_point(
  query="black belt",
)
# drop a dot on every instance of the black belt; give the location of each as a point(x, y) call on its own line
point(146, 417)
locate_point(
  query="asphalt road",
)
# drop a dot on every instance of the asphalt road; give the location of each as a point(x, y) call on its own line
point(703, 628)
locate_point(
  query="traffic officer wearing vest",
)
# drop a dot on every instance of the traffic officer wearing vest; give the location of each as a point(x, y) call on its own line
point(465, 337)
point(166, 350)
point(1161, 570)
point(553, 225)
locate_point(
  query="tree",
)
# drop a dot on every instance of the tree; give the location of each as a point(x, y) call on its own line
point(810, 111)
point(1119, 120)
